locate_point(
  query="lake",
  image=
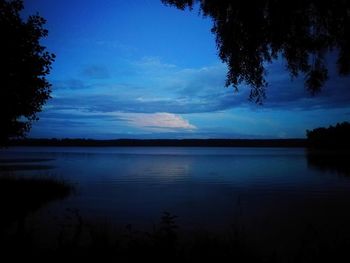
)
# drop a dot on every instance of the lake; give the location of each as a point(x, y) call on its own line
point(270, 193)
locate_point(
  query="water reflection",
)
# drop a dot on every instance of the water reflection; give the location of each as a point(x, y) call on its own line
point(24, 160)
point(329, 161)
point(133, 185)
point(272, 193)
point(21, 195)
point(24, 164)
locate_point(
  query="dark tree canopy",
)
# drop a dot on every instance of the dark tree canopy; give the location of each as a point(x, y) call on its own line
point(24, 65)
point(337, 136)
point(250, 33)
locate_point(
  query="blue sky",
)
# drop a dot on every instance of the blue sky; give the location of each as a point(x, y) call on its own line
point(139, 69)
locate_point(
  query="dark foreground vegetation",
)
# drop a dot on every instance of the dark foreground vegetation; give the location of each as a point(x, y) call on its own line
point(79, 240)
point(20, 196)
point(337, 136)
point(164, 142)
point(329, 148)
point(25, 64)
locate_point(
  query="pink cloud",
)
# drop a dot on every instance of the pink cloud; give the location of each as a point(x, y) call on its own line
point(160, 120)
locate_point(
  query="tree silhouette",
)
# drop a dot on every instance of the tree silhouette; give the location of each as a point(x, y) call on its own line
point(251, 33)
point(332, 137)
point(24, 65)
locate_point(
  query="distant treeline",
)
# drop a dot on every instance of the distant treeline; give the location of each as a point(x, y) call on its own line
point(337, 136)
point(164, 142)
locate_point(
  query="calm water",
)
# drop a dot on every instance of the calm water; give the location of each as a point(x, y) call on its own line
point(212, 188)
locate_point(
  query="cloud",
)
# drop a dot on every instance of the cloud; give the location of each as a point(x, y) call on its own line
point(192, 90)
point(160, 120)
point(112, 103)
point(152, 63)
point(203, 89)
point(177, 91)
point(70, 84)
point(75, 114)
point(293, 95)
point(96, 72)
point(81, 121)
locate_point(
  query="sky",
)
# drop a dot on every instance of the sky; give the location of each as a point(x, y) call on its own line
point(140, 69)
